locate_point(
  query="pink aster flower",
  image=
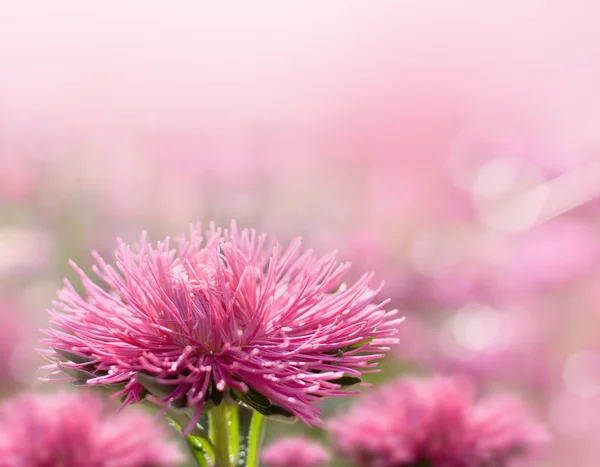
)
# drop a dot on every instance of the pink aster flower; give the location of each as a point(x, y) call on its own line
point(72, 430)
point(295, 451)
point(436, 423)
point(226, 315)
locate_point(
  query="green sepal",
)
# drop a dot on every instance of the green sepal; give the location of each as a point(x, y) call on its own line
point(255, 399)
point(339, 353)
point(73, 357)
point(347, 381)
point(358, 345)
point(264, 406)
point(214, 395)
point(155, 388)
point(77, 373)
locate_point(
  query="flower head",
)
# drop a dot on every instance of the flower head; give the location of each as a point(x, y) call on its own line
point(295, 451)
point(410, 422)
point(225, 315)
point(71, 430)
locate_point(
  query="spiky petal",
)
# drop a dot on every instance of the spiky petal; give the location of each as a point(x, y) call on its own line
point(225, 314)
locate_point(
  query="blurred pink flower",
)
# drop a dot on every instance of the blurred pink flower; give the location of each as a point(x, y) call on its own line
point(224, 314)
point(295, 451)
point(435, 422)
point(550, 255)
point(23, 250)
point(469, 316)
point(460, 284)
point(11, 333)
point(504, 344)
point(367, 249)
point(72, 430)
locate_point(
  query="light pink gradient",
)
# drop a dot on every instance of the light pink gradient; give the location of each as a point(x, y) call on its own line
point(382, 122)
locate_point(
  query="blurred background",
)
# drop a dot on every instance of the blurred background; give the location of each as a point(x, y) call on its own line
point(450, 146)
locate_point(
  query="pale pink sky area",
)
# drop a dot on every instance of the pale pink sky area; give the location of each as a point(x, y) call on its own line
point(74, 67)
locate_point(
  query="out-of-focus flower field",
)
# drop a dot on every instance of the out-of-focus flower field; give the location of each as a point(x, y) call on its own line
point(453, 148)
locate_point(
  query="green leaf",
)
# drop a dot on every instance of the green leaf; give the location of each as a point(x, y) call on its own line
point(203, 456)
point(200, 445)
point(179, 419)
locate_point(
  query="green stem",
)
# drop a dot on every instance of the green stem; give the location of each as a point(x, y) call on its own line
point(233, 423)
point(255, 438)
point(218, 426)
